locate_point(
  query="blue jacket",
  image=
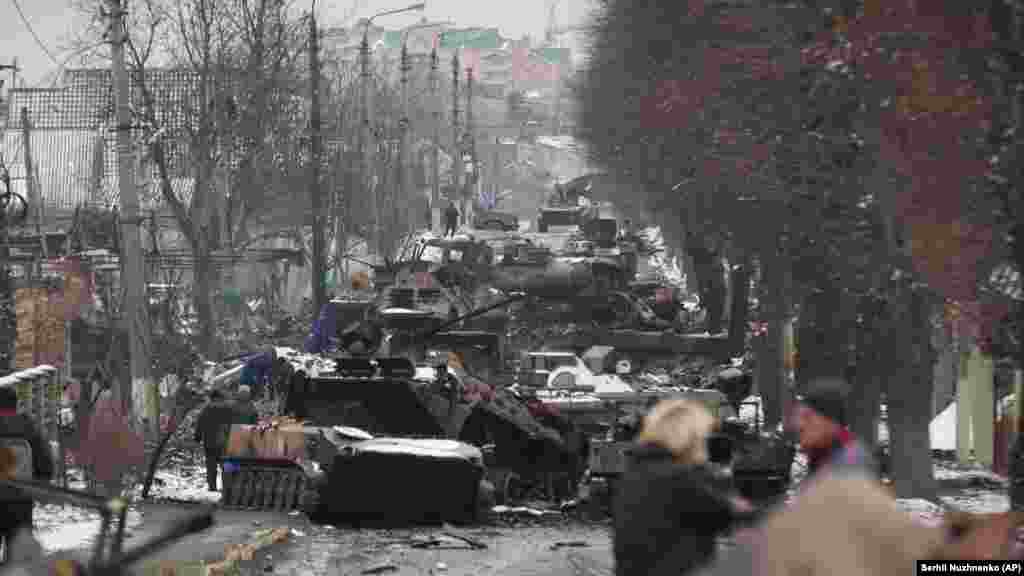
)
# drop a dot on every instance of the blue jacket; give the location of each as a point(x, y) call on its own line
point(324, 329)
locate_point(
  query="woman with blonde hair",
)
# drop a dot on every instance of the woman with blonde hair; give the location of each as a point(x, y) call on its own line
point(666, 512)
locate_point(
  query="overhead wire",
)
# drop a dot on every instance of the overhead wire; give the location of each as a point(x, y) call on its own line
point(28, 26)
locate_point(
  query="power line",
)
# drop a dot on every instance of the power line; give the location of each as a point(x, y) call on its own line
point(28, 26)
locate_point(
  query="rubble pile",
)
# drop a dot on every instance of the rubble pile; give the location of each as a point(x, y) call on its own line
point(311, 364)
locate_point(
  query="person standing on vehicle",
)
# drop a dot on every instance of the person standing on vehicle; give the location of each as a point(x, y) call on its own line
point(212, 430)
point(244, 411)
point(667, 513)
point(17, 505)
point(451, 219)
point(820, 421)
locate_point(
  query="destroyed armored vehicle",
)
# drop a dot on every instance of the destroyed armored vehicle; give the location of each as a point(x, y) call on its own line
point(358, 434)
point(762, 459)
point(495, 220)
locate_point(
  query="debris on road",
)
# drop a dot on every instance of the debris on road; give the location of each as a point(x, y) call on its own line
point(236, 553)
point(573, 544)
point(523, 510)
point(380, 569)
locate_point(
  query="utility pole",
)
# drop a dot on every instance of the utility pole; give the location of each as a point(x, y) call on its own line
point(35, 200)
point(404, 188)
point(315, 193)
point(13, 67)
point(470, 167)
point(367, 142)
point(140, 387)
point(32, 190)
point(435, 184)
point(456, 144)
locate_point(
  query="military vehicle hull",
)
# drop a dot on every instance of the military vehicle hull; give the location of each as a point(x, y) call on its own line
point(271, 467)
point(347, 475)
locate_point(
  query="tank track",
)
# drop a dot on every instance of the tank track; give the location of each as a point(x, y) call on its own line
point(272, 488)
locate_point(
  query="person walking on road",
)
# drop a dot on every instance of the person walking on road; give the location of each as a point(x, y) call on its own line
point(667, 512)
point(451, 219)
point(16, 429)
point(212, 430)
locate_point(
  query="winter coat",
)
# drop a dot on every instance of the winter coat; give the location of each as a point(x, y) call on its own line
point(214, 425)
point(845, 452)
point(842, 523)
point(244, 413)
point(451, 214)
point(256, 371)
point(324, 329)
point(666, 516)
point(16, 504)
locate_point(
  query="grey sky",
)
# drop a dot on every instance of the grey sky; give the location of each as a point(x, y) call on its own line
point(56, 23)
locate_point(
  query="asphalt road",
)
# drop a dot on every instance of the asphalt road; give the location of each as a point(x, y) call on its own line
point(558, 546)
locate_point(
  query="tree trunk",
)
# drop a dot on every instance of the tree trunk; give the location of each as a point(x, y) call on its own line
point(770, 362)
point(911, 362)
point(739, 308)
point(866, 384)
point(203, 299)
point(822, 334)
point(707, 266)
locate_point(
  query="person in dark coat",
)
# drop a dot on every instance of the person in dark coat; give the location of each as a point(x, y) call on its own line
point(821, 424)
point(451, 219)
point(212, 429)
point(17, 505)
point(244, 411)
point(667, 513)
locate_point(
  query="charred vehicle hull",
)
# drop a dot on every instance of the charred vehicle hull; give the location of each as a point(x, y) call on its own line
point(359, 474)
point(375, 476)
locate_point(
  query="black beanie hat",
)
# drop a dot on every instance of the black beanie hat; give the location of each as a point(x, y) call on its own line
point(827, 396)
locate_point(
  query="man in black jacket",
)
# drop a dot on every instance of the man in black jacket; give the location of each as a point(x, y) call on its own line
point(17, 506)
point(451, 219)
point(212, 429)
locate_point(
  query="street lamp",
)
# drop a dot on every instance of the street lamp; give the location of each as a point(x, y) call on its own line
point(368, 120)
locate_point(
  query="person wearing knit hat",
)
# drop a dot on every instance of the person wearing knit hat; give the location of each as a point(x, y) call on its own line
point(821, 424)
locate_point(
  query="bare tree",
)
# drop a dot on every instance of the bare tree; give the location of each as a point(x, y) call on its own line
point(219, 140)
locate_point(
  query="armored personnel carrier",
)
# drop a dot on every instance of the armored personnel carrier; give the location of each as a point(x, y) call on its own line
point(360, 431)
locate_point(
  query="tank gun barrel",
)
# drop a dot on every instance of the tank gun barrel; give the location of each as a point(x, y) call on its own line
point(558, 281)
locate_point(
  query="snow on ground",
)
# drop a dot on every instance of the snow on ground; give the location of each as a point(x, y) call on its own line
point(978, 501)
point(60, 527)
point(186, 483)
point(65, 527)
point(943, 429)
point(923, 511)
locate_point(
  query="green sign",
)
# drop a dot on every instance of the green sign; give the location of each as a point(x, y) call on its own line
point(393, 39)
point(475, 38)
point(558, 56)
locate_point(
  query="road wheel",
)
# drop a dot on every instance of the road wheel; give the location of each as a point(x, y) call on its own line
point(485, 500)
point(509, 487)
point(311, 503)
